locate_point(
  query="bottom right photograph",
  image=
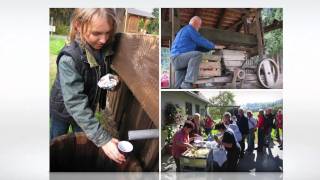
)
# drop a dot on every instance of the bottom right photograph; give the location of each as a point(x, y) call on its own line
point(222, 131)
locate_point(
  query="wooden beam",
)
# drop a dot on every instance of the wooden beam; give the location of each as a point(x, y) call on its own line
point(217, 35)
point(259, 32)
point(137, 64)
point(172, 24)
point(172, 71)
point(240, 10)
point(228, 37)
point(220, 18)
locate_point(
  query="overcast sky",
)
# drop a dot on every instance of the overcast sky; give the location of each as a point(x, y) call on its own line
point(250, 96)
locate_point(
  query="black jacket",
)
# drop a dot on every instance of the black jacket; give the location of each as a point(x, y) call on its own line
point(243, 125)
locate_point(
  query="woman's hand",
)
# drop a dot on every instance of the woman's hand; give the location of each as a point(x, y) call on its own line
point(111, 150)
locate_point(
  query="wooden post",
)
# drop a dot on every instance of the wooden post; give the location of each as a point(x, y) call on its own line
point(122, 19)
point(172, 72)
point(125, 21)
point(51, 24)
point(259, 32)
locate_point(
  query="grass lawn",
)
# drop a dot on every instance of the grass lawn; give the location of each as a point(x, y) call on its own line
point(56, 44)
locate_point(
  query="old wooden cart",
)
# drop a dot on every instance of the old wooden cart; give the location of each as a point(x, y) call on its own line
point(242, 64)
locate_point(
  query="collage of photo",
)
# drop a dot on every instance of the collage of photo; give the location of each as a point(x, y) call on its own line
point(203, 93)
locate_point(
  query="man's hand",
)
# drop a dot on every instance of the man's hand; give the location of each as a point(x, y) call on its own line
point(219, 46)
point(189, 146)
point(111, 150)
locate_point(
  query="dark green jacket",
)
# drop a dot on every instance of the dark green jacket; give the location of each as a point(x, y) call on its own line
point(75, 94)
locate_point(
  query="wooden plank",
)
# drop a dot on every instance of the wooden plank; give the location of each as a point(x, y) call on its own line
point(234, 58)
point(209, 69)
point(137, 63)
point(217, 35)
point(233, 52)
point(147, 151)
point(221, 79)
point(234, 63)
point(211, 57)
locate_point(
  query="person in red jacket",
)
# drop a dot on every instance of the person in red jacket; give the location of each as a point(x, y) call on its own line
point(181, 142)
point(261, 130)
point(208, 124)
point(279, 124)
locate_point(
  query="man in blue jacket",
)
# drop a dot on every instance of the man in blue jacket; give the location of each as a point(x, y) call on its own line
point(185, 53)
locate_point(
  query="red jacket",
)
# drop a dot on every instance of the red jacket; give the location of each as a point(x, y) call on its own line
point(208, 123)
point(260, 121)
point(279, 119)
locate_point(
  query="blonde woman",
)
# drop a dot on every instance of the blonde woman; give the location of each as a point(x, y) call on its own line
point(81, 63)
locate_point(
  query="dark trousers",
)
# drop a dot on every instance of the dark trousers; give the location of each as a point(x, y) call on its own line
point(232, 159)
point(177, 161)
point(242, 144)
point(261, 139)
point(277, 134)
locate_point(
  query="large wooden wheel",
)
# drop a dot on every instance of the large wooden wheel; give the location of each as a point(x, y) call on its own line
point(268, 73)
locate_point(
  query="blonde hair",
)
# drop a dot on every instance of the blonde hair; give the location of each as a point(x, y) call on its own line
point(82, 18)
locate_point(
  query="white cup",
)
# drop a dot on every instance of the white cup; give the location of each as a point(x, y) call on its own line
point(125, 147)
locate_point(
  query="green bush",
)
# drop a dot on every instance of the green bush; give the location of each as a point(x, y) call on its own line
point(62, 30)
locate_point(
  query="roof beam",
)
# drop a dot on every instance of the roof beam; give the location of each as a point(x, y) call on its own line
point(220, 19)
point(217, 35)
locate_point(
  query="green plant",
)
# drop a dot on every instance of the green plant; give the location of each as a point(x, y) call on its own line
point(170, 113)
point(141, 24)
point(153, 25)
point(173, 114)
point(170, 133)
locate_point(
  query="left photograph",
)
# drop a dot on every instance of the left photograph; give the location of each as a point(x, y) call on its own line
point(104, 89)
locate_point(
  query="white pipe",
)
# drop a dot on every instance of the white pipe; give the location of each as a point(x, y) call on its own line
point(143, 134)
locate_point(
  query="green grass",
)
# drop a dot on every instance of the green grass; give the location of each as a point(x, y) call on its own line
point(56, 44)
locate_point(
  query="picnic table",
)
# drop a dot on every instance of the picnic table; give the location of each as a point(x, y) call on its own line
point(203, 157)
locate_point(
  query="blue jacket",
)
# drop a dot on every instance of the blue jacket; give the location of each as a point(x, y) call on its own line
point(188, 39)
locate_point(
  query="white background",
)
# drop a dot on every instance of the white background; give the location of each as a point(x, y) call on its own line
point(24, 77)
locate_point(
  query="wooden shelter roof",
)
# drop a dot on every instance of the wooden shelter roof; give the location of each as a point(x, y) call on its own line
point(219, 18)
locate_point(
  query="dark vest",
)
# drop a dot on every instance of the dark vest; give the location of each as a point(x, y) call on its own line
point(91, 76)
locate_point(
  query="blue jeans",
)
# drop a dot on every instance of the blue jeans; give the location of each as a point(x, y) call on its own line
point(186, 66)
point(61, 127)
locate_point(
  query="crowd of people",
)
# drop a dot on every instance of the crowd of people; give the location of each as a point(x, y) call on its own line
point(234, 131)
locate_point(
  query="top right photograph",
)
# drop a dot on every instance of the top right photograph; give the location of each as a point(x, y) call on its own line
point(221, 48)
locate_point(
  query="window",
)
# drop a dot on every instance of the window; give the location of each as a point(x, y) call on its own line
point(188, 108)
point(202, 112)
point(197, 108)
